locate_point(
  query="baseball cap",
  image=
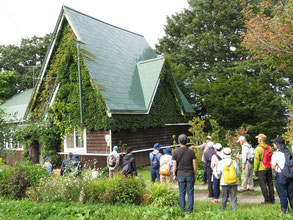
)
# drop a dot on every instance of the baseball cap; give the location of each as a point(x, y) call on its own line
point(278, 140)
point(262, 136)
point(156, 145)
point(241, 138)
point(115, 148)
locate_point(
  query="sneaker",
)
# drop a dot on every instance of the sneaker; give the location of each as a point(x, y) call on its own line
point(215, 201)
point(203, 183)
point(228, 200)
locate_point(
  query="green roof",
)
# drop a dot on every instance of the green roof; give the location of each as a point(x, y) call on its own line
point(122, 62)
point(16, 106)
point(186, 105)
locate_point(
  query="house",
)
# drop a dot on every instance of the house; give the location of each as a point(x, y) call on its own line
point(105, 86)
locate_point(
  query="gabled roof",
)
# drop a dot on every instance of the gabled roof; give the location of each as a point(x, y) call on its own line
point(122, 62)
point(16, 106)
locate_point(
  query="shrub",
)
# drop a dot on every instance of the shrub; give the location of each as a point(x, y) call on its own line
point(124, 190)
point(161, 194)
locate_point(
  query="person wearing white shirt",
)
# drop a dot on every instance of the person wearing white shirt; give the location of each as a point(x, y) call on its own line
point(167, 158)
point(283, 184)
point(214, 164)
point(247, 167)
point(228, 189)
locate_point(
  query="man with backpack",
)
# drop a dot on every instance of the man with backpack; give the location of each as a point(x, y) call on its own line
point(208, 158)
point(247, 156)
point(262, 168)
point(129, 163)
point(113, 162)
point(155, 156)
point(228, 170)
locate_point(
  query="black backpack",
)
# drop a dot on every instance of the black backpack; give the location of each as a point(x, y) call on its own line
point(155, 162)
point(287, 171)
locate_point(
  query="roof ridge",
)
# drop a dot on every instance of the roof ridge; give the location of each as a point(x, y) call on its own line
point(150, 60)
point(64, 6)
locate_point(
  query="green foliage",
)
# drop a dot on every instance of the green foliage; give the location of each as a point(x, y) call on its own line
point(45, 133)
point(125, 190)
point(202, 210)
point(15, 180)
point(17, 64)
point(197, 130)
point(161, 195)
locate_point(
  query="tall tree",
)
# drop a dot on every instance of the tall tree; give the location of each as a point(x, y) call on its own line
point(204, 45)
point(23, 60)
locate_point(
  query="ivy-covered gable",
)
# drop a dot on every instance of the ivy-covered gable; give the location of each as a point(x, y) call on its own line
point(153, 98)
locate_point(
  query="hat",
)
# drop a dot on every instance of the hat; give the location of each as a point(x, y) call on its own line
point(218, 146)
point(209, 138)
point(115, 147)
point(241, 138)
point(227, 152)
point(128, 150)
point(262, 136)
point(168, 151)
point(278, 140)
point(156, 145)
point(210, 144)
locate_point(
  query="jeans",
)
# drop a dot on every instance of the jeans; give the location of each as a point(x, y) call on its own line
point(155, 174)
point(216, 183)
point(284, 188)
point(186, 183)
point(229, 190)
point(265, 178)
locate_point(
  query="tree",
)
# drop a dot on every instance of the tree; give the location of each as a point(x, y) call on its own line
point(203, 43)
point(8, 81)
point(269, 33)
point(24, 61)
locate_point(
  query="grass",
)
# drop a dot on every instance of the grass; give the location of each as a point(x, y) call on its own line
point(202, 210)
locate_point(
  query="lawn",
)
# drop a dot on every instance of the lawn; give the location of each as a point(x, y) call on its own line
point(202, 210)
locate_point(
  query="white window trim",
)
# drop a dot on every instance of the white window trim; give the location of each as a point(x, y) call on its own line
point(76, 150)
point(9, 146)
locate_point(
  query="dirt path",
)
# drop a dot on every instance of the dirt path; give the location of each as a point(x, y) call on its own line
point(201, 193)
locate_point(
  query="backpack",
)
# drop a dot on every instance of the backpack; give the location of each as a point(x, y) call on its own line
point(229, 173)
point(267, 157)
point(165, 168)
point(111, 160)
point(251, 153)
point(126, 169)
point(287, 171)
point(155, 163)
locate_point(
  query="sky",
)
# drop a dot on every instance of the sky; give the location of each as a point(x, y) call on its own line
point(26, 18)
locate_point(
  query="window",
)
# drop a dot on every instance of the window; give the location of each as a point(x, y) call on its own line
point(76, 142)
point(11, 145)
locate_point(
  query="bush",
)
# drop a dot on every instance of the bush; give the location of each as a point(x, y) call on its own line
point(161, 194)
point(15, 180)
point(124, 190)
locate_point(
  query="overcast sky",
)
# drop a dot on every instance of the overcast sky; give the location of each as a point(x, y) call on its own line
point(26, 18)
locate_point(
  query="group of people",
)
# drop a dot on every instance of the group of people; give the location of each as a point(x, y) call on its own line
point(72, 165)
point(221, 170)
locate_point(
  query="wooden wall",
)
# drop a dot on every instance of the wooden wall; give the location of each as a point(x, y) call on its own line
point(14, 156)
point(96, 142)
point(146, 138)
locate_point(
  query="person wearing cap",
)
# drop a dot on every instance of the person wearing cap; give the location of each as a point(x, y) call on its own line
point(247, 167)
point(113, 161)
point(228, 189)
point(185, 171)
point(167, 158)
point(265, 176)
point(214, 165)
point(208, 158)
point(155, 156)
point(203, 147)
point(284, 185)
point(66, 164)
